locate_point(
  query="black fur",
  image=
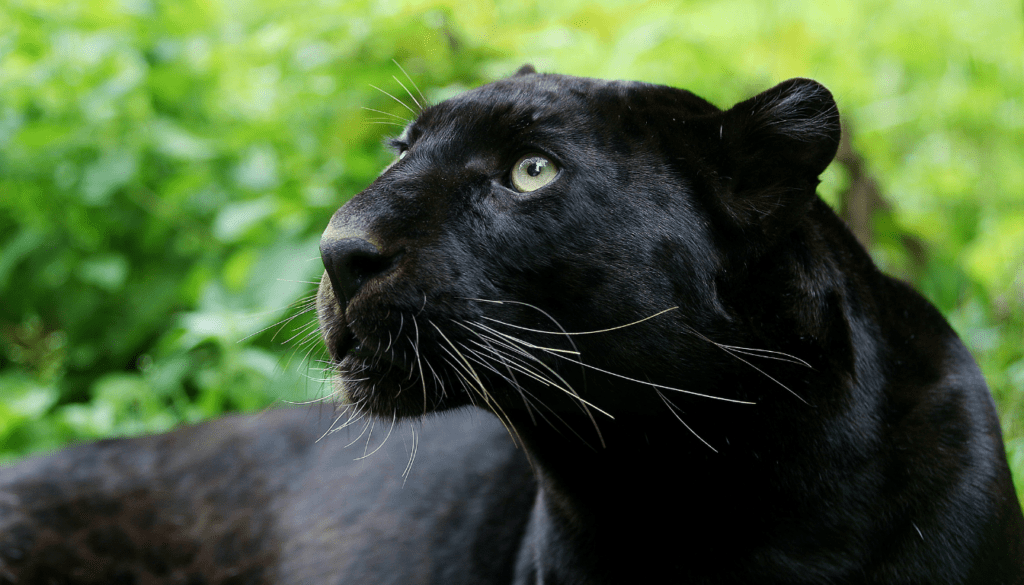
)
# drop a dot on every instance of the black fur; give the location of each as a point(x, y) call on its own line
point(709, 380)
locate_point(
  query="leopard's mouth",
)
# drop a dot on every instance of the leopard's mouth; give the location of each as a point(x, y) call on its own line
point(385, 360)
point(342, 345)
point(351, 352)
point(375, 359)
point(370, 358)
point(387, 384)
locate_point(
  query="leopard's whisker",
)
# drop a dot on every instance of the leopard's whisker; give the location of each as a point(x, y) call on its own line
point(529, 398)
point(309, 335)
point(595, 368)
point(773, 355)
point(498, 411)
point(731, 350)
point(727, 350)
point(413, 82)
point(331, 427)
point(518, 365)
point(674, 410)
point(412, 453)
point(481, 360)
point(389, 114)
point(373, 421)
point(583, 371)
point(394, 418)
point(412, 97)
point(419, 363)
point(301, 331)
point(367, 424)
point(324, 398)
point(530, 345)
point(468, 388)
point(305, 304)
point(401, 322)
point(437, 379)
point(461, 359)
point(568, 387)
point(404, 105)
point(491, 341)
point(575, 332)
point(651, 384)
point(316, 380)
point(584, 405)
point(385, 123)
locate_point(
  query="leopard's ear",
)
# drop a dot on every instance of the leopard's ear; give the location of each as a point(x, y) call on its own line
point(525, 70)
point(789, 131)
point(772, 147)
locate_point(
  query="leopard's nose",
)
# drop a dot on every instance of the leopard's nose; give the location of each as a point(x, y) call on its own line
point(350, 262)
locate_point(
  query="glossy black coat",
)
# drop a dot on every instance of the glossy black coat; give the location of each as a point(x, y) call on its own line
point(694, 374)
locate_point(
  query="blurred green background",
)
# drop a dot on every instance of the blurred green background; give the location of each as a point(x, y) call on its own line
point(166, 167)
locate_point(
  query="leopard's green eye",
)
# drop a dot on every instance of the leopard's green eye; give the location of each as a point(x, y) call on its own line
point(532, 172)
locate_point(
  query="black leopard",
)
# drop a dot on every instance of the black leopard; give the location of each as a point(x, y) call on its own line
point(613, 336)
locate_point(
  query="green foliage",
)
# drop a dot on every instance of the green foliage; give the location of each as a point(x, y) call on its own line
point(165, 171)
point(166, 167)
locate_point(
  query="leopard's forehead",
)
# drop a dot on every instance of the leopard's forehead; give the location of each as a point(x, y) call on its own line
point(517, 104)
point(541, 104)
point(536, 94)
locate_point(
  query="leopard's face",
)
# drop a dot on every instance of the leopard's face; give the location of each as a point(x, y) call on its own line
point(537, 241)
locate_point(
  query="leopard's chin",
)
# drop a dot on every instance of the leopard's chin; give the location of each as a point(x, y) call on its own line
point(379, 387)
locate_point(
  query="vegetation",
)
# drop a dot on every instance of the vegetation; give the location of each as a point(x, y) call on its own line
point(166, 167)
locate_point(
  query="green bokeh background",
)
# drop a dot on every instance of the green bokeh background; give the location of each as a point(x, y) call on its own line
point(166, 167)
